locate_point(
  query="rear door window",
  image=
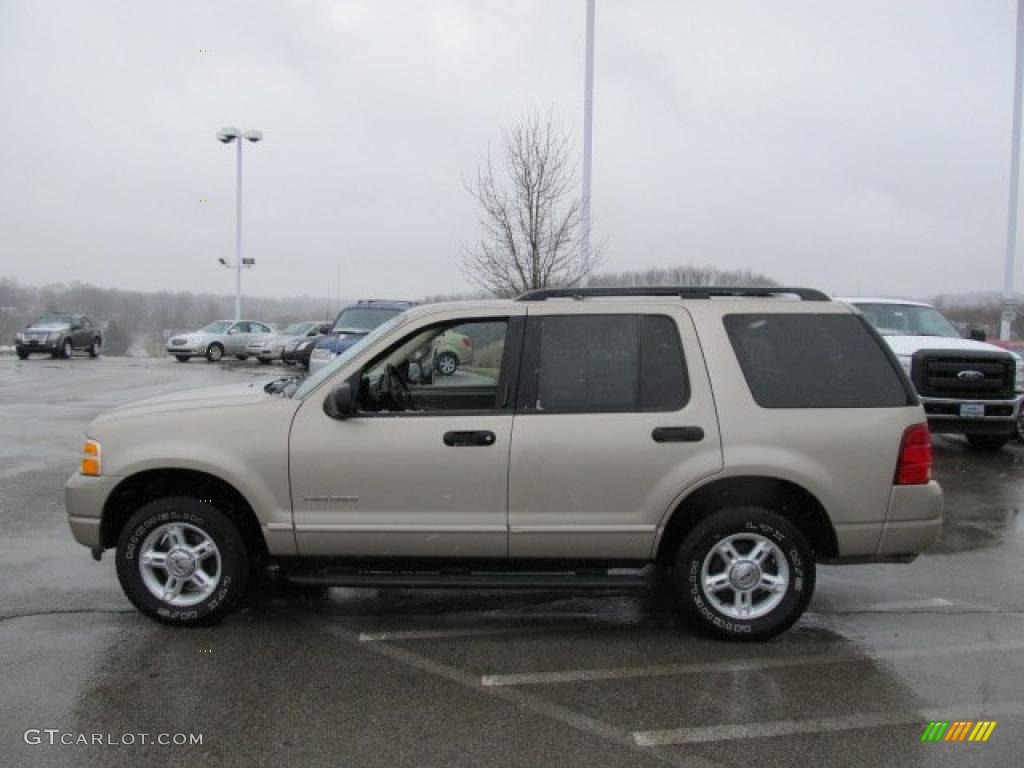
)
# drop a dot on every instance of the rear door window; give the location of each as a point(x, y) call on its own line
point(815, 361)
point(603, 364)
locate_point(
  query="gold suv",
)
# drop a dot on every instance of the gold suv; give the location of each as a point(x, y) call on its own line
point(733, 437)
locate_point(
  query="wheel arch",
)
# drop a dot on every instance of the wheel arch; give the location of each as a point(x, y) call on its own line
point(792, 501)
point(148, 485)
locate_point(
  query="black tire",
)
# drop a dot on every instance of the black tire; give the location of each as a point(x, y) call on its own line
point(234, 570)
point(65, 349)
point(241, 357)
point(446, 363)
point(23, 355)
point(789, 544)
point(181, 358)
point(214, 353)
point(988, 443)
point(263, 360)
point(94, 348)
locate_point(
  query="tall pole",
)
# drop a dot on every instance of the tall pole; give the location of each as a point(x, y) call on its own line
point(588, 126)
point(238, 237)
point(1009, 301)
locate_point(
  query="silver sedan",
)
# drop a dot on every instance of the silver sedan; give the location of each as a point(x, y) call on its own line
point(219, 338)
point(267, 349)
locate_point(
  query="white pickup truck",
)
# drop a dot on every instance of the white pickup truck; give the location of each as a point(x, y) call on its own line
point(966, 386)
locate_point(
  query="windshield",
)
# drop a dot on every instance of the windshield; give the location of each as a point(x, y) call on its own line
point(313, 380)
point(296, 329)
point(362, 319)
point(218, 327)
point(907, 320)
point(51, 321)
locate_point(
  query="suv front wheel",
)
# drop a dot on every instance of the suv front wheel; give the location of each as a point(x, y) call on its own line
point(182, 561)
point(745, 573)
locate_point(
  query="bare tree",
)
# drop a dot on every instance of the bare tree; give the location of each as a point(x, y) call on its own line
point(529, 213)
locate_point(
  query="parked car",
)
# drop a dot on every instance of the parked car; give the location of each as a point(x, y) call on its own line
point(298, 350)
point(266, 349)
point(351, 326)
point(967, 386)
point(219, 338)
point(59, 334)
point(733, 443)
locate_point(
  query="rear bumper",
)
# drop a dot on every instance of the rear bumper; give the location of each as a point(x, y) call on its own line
point(914, 520)
point(84, 499)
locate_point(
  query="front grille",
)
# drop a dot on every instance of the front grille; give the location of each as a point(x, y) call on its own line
point(964, 375)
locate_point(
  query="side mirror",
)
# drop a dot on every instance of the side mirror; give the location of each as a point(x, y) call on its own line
point(978, 334)
point(339, 403)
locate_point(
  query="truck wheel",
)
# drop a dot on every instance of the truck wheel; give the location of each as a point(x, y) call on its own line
point(745, 573)
point(447, 363)
point(987, 443)
point(182, 561)
point(94, 349)
point(214, 352)
point(22, 354)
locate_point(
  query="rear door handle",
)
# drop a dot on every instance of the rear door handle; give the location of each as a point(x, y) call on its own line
point(461, 439)
point(678, 434)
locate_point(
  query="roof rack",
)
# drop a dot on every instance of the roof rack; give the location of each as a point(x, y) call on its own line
point(680, 291)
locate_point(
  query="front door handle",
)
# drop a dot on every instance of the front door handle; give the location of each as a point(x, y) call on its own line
point(678, 434)
point(461, 439)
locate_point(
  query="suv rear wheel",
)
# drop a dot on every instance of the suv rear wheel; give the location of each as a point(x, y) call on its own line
point(745, 573)
point(182, 561)
point(94, 348)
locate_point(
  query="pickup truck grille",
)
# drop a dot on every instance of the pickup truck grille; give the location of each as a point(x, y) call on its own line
point(964, 376)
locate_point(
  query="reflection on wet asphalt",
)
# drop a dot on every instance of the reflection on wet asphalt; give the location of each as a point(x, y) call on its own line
point(367, 677)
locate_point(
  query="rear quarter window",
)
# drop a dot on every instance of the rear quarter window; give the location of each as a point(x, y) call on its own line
point(815, 361)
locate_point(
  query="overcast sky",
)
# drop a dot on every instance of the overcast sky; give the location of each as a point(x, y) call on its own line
point(842, 145)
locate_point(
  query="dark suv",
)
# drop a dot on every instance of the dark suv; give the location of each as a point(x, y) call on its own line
point(351, 327)
point(58, 334)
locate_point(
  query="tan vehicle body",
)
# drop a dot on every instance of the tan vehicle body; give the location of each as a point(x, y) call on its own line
point(574, 485)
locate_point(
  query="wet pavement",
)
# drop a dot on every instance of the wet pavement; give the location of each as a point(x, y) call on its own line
point(436, 678)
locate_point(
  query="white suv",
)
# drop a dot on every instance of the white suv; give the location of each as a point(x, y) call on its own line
point(732, 437)
point(966, 386)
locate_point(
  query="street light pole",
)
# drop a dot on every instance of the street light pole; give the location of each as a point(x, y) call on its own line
point(1009, 301)
point(588, 126)
point(226, 136)
point(238, 238)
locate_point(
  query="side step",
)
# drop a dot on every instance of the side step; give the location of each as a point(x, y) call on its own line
point(618, 580)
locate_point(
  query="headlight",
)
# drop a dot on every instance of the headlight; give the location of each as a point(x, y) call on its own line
point(90, 464)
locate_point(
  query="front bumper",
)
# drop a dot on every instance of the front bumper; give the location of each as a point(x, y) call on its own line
point(84, 499)
point(944, 417)
point(192, 350)
point(37, 346)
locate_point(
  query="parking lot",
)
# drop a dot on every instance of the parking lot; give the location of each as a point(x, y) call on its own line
point(378, 678)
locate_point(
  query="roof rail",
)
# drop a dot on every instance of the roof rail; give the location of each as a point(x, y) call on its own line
point(679, 291)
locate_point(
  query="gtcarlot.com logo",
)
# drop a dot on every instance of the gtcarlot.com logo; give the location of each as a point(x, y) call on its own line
point(57, 737)
point(958, 730)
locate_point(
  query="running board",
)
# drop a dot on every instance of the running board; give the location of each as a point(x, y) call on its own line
point(485, 580)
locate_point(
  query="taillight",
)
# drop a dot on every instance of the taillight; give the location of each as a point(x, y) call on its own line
point(914, 466)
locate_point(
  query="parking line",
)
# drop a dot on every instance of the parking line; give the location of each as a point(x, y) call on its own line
point(773, 728)
point(435, 634)
point(898, 606)
point(738, 665)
